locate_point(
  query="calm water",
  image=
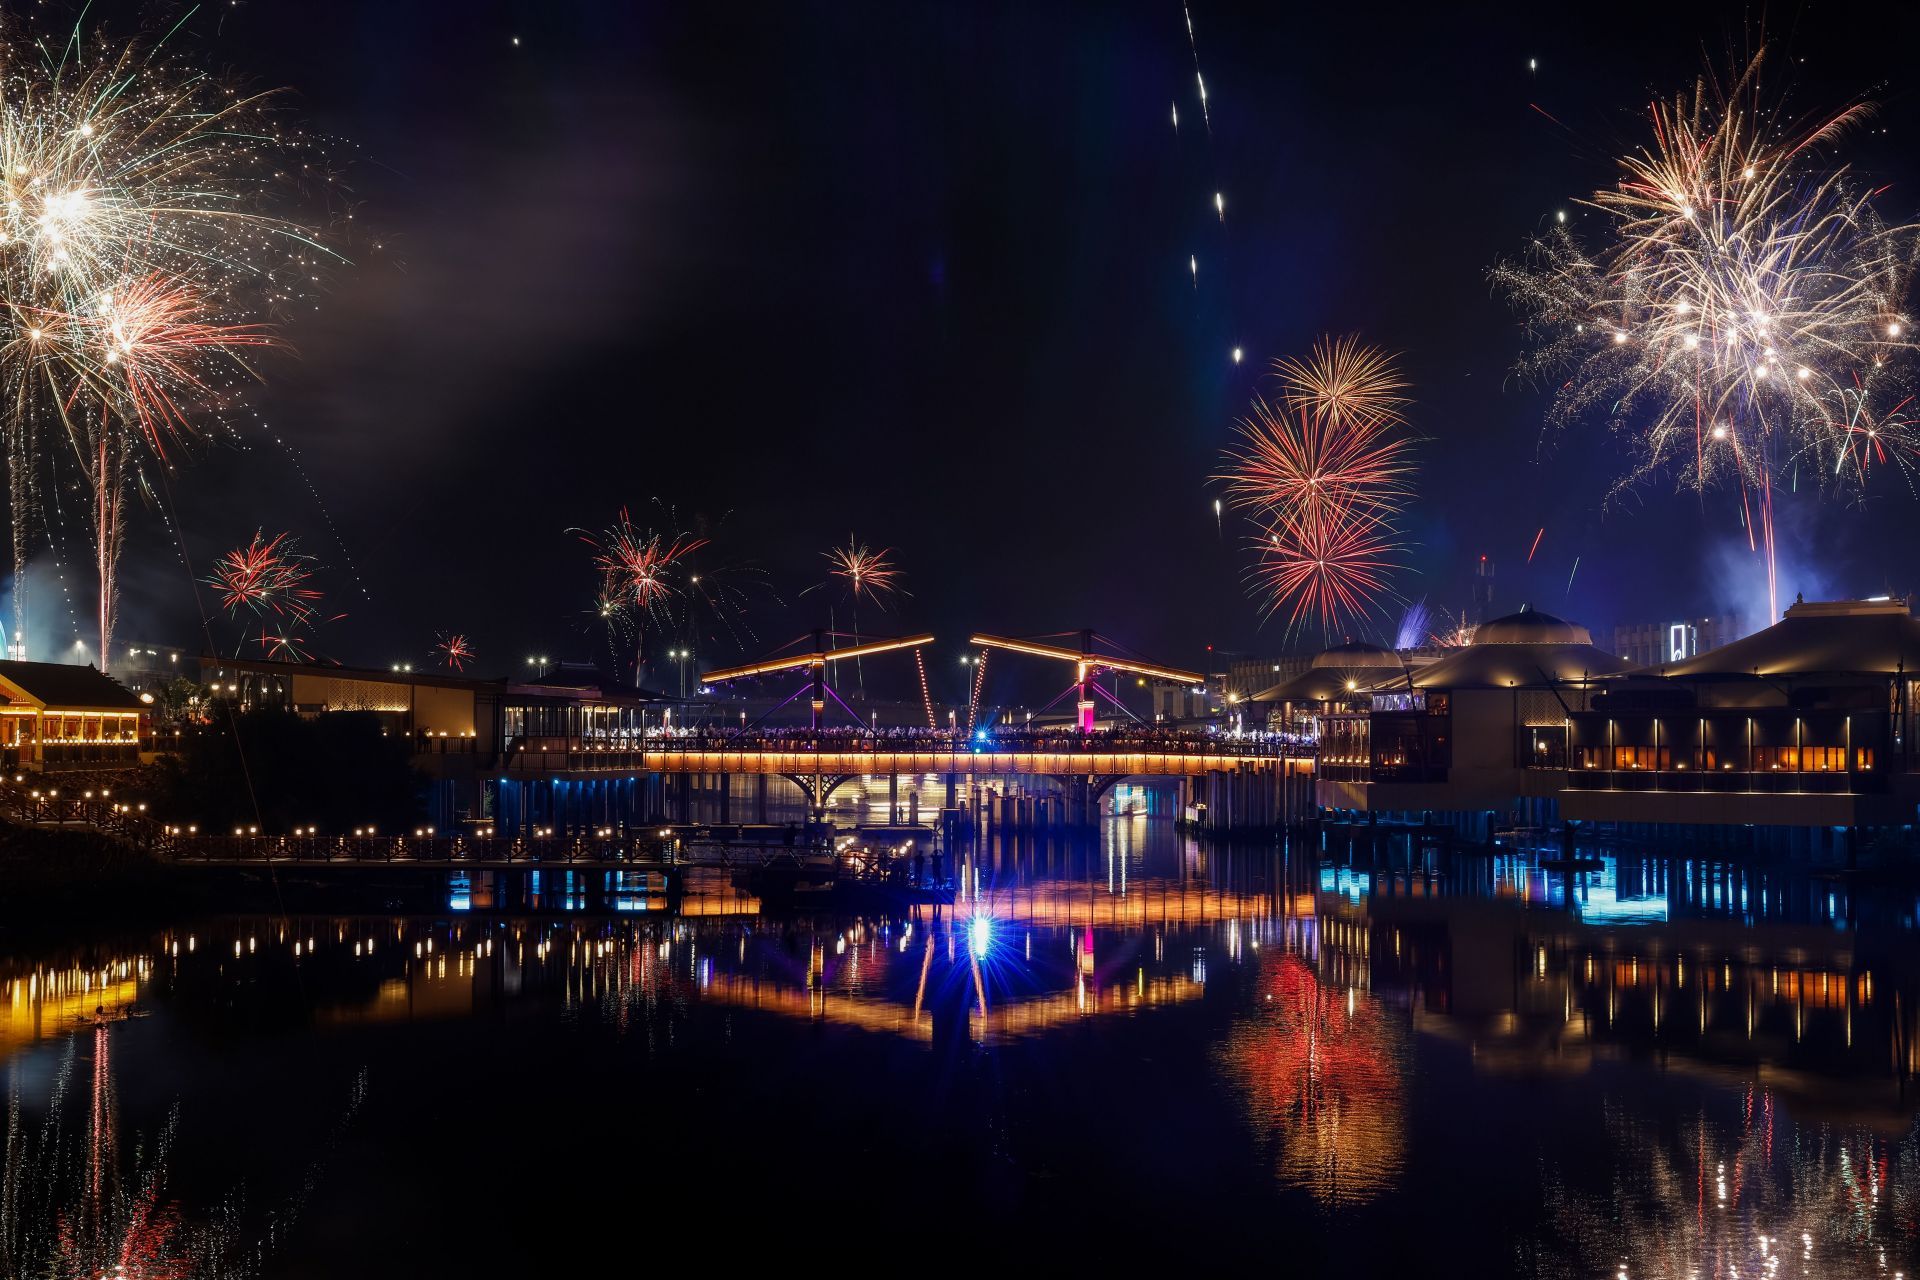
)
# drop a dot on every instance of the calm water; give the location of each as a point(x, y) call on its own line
point(1142, 1051)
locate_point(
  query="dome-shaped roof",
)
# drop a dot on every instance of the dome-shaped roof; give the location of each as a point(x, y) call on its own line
point(1355, 653)
point(1530, 626)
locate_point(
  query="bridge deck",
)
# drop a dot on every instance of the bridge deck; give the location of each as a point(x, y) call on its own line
point(883, 760)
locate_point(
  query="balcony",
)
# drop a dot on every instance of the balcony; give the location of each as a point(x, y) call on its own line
point(1727, 781)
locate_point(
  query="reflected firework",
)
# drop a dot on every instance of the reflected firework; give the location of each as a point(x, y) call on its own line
point(83, 1203)
point(1322, 1072)
point(1742, 1201)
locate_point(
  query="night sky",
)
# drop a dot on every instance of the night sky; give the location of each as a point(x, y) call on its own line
point(920, 273)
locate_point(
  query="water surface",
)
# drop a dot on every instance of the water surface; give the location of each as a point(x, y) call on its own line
point(1123, 1051)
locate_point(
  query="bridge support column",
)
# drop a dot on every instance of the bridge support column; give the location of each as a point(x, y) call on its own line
point(726, 796)
point(893, 799)
point(760, 798)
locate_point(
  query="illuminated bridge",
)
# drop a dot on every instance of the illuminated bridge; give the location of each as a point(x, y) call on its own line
point(1237, 781)
point(509, 757)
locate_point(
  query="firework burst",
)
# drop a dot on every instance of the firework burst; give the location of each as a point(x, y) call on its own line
point(865, 573)
point(1325, 566)
point(139, 258)
point(268, 577)
point(1345, 380)
point(1306, 460)
point(1741, 321)
point(455, 651)
point(1324, 475)
point(642, 575)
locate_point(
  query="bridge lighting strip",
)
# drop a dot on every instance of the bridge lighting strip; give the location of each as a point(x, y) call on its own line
point(1092, 660)
point(819, 658)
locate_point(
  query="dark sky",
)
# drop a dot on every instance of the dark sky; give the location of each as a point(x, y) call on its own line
point(920, 272)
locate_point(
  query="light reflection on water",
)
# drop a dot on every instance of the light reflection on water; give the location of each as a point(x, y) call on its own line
point(1684, 1027)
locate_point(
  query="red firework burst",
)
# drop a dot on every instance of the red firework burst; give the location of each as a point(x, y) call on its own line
point(455, 651)
point(1330, 565)
point(1303, 460)
point(286, 644)
point(269, 577)
point(148, 345)
point(638, 568)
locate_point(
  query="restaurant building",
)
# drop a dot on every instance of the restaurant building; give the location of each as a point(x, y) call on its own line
point(57, 716)
point(1807, 723)
point(1484, 729)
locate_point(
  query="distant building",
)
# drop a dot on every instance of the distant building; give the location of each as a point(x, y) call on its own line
point(1649, 644)
point(1249, 676)
point(147, 667)
point(1174, 703)
point(1482, 607)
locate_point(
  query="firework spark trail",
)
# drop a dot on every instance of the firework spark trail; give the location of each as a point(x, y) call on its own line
point(1743, 317)
point(137, 262)
point(1193, 43)
point(1536, 543)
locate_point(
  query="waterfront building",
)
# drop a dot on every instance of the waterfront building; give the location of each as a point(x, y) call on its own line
point(56, 716)
point(1482, 729)
point(1339, 678)
point(1807, 723)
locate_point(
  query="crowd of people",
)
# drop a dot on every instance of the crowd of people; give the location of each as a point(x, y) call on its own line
point(998, 737)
